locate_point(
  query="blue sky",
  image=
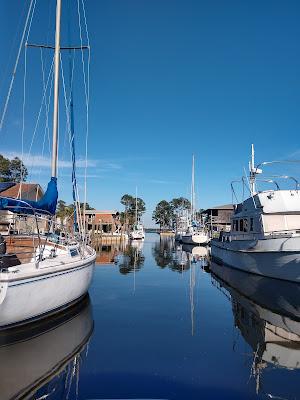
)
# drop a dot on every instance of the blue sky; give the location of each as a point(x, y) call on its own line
point(168, 79)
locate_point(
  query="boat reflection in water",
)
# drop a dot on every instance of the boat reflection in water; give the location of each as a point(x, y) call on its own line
point(42, 359)
point(131, 259)
point(169, 253)
point(267, 313)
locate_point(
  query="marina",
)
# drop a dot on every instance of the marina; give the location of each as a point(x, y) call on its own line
point(163, 322)
point(188, 286)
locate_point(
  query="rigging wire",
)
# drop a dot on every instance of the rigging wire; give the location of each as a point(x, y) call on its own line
point(32, 4)
point(67, 108)
point(41, 107)
point(47, 107)
point(86, 90)
point(24, 103)
point(9, 58)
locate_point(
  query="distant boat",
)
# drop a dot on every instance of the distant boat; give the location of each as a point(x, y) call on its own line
point(138, 232)
point(195, 233)
point(265, 230)
point(41, 273)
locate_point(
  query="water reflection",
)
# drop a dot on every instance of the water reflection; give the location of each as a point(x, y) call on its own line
point(267, 314)
point(168, 253)
point(42, 360)
point(131, 259)
point(107, 252)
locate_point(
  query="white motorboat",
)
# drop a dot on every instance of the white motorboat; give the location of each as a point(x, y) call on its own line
point(42, 272)
point(265, 231)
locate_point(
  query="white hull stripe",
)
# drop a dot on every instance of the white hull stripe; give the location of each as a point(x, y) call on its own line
point(49, 276)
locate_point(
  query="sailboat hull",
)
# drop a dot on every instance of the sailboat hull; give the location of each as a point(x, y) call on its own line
point(195, 239)
point(27, 298)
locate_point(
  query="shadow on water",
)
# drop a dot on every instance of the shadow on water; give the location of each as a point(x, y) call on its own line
point(266, 313)
point(43, 359)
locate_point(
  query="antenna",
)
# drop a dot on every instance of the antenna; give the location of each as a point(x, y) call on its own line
point(253, 172)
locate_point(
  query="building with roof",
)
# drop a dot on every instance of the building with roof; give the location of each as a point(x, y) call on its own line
point(26, 191)
point(218, 218)
point(105, 222)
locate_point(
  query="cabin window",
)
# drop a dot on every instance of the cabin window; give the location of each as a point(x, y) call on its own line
point(245, 225)
point(241, 225)
point(236, 225)
point(74, 252)
point(251, 224)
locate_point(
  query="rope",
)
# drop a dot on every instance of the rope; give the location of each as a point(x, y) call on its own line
point(67, 108)
point(47, 107)
point(41, 107)
point(17, 62)
point(24, 105)
point(86, 90)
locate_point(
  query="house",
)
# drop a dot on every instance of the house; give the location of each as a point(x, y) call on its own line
point(103, 222)
point(218, 218)
point(26, 191)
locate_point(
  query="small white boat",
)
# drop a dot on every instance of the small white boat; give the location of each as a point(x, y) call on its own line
point(195, 236)
point(137, 233)
point(265, 231)
point(195, 233)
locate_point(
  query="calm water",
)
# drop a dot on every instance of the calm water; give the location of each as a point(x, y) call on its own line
point(159, 326)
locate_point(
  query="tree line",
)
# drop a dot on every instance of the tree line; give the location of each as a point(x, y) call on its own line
point(12, 170)
point(131, 204)
point(166, 213)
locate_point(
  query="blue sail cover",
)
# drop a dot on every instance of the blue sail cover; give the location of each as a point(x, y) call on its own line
point(46, 205)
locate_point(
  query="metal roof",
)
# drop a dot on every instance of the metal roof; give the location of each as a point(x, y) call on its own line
point(222, 207)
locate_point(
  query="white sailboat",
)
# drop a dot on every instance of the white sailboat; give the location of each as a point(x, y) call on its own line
point(138, 232)
point(41, 273)
point(195, 234)
point(265, 230)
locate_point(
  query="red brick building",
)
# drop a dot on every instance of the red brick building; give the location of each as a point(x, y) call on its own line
point(103, 222)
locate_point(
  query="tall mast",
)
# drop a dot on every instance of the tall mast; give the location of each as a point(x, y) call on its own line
point(56, 84)
point(193, 189)
point(136, 212)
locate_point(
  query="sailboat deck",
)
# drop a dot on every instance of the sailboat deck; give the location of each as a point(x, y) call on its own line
point(22, 249)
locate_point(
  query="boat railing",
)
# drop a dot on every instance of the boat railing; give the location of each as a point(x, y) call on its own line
point(31, 238)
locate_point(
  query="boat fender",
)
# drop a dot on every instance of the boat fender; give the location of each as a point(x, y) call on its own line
point(3, 290)
point(2, 245)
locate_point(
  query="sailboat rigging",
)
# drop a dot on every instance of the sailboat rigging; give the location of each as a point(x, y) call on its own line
point(195, 234)
point(138, 230)
point(42, 272)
